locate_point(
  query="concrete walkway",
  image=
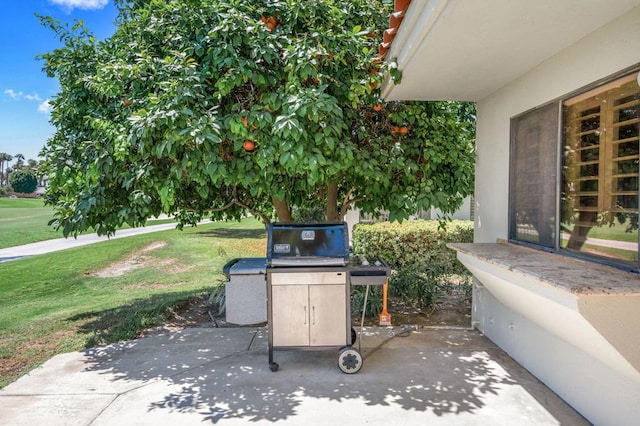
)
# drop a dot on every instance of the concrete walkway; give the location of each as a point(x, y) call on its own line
point(48, 246)
point(221, 376)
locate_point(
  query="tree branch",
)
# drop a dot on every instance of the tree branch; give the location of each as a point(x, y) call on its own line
point(266, 219)
point(345, 200)
point(236, 202)
point(346, 205)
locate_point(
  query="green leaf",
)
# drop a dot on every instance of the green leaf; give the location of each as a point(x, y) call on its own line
point(155, 110)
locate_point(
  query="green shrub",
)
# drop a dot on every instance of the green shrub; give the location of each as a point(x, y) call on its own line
point(423, 267)
point(374, 301)
point(416, 243)
point(23, 181)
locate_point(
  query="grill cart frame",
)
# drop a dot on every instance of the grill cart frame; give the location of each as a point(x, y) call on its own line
point(309, 278)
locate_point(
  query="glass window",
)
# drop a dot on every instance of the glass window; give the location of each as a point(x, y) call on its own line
point(533, 180)
point(599, 200)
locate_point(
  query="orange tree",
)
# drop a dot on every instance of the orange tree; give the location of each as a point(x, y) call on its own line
point(212, 108)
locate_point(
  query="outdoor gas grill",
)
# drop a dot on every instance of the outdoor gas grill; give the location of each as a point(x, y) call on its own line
point(309, 278)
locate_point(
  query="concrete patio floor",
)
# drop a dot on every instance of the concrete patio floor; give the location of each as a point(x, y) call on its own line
point(221, 376)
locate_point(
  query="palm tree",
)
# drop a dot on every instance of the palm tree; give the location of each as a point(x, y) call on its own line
point(20, 163)
point(4, 158)
point(42, 178)
point(2, 155)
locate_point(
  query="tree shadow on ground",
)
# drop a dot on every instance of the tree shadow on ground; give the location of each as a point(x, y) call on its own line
point(225, 375)
point(125, 322)
point(234, 233)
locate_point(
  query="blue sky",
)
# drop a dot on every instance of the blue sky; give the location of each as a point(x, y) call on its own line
point(24, 88)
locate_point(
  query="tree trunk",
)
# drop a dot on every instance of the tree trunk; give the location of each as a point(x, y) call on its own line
point(282, 210)
point(332, 203)
point(578, 236)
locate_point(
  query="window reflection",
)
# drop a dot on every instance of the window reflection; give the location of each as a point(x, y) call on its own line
point(599, 210)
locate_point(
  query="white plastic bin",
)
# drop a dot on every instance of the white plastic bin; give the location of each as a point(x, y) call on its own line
point(246, 291)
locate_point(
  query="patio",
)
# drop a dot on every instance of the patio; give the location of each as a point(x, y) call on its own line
point(220, 375)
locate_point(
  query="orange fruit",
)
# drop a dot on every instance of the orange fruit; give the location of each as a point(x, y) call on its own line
point(404, 130)
point(272, 22)
point(248, 145)
point(377, 107)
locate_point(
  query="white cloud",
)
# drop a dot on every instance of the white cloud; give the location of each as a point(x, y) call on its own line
point(13, 94)
point(80, 4)
point(45, 107)
point(17, 96)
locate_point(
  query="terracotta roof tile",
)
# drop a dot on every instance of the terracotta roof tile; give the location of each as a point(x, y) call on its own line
point(395, 19)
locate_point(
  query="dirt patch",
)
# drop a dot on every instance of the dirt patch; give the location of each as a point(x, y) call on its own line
point(453, 309)
point(137, 260)
point(29, 354)
point(195, 312)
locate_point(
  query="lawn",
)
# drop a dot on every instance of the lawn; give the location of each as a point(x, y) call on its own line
point(615, 232)
point(108, 292)
point(24, 221)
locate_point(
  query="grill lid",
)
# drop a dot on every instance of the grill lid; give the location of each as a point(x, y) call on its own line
point(307, 244)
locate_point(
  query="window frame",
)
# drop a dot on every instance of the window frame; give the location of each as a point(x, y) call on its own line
point(560, 143)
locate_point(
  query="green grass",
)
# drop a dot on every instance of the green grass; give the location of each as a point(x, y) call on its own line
point(615, 232)
point(57, 302)
point(24, 221)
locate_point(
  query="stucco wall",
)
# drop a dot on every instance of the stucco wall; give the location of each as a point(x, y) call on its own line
point(604, 52)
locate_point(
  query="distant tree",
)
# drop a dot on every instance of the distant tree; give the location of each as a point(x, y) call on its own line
point(23, 181)
point(20, 161)
point(4, 159)
point(40, 174)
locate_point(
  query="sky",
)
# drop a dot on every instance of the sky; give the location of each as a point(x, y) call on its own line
point(24, 88)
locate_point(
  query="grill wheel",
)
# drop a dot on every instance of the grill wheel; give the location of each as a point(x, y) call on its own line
point(349, 360)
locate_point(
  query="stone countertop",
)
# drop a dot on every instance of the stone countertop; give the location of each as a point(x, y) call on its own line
point(567, 273)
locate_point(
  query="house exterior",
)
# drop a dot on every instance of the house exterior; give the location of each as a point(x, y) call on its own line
point(555, 257)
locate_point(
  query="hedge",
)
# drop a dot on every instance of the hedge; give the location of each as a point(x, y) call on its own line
point(416, 251)
point(415, 243)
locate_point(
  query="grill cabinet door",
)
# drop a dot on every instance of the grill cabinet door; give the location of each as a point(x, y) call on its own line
point(290, 315)
point(327, 315)
point(309, 309)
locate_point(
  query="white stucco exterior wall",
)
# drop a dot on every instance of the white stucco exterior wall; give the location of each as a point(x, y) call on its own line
point(604, 52)
point(592, 381)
